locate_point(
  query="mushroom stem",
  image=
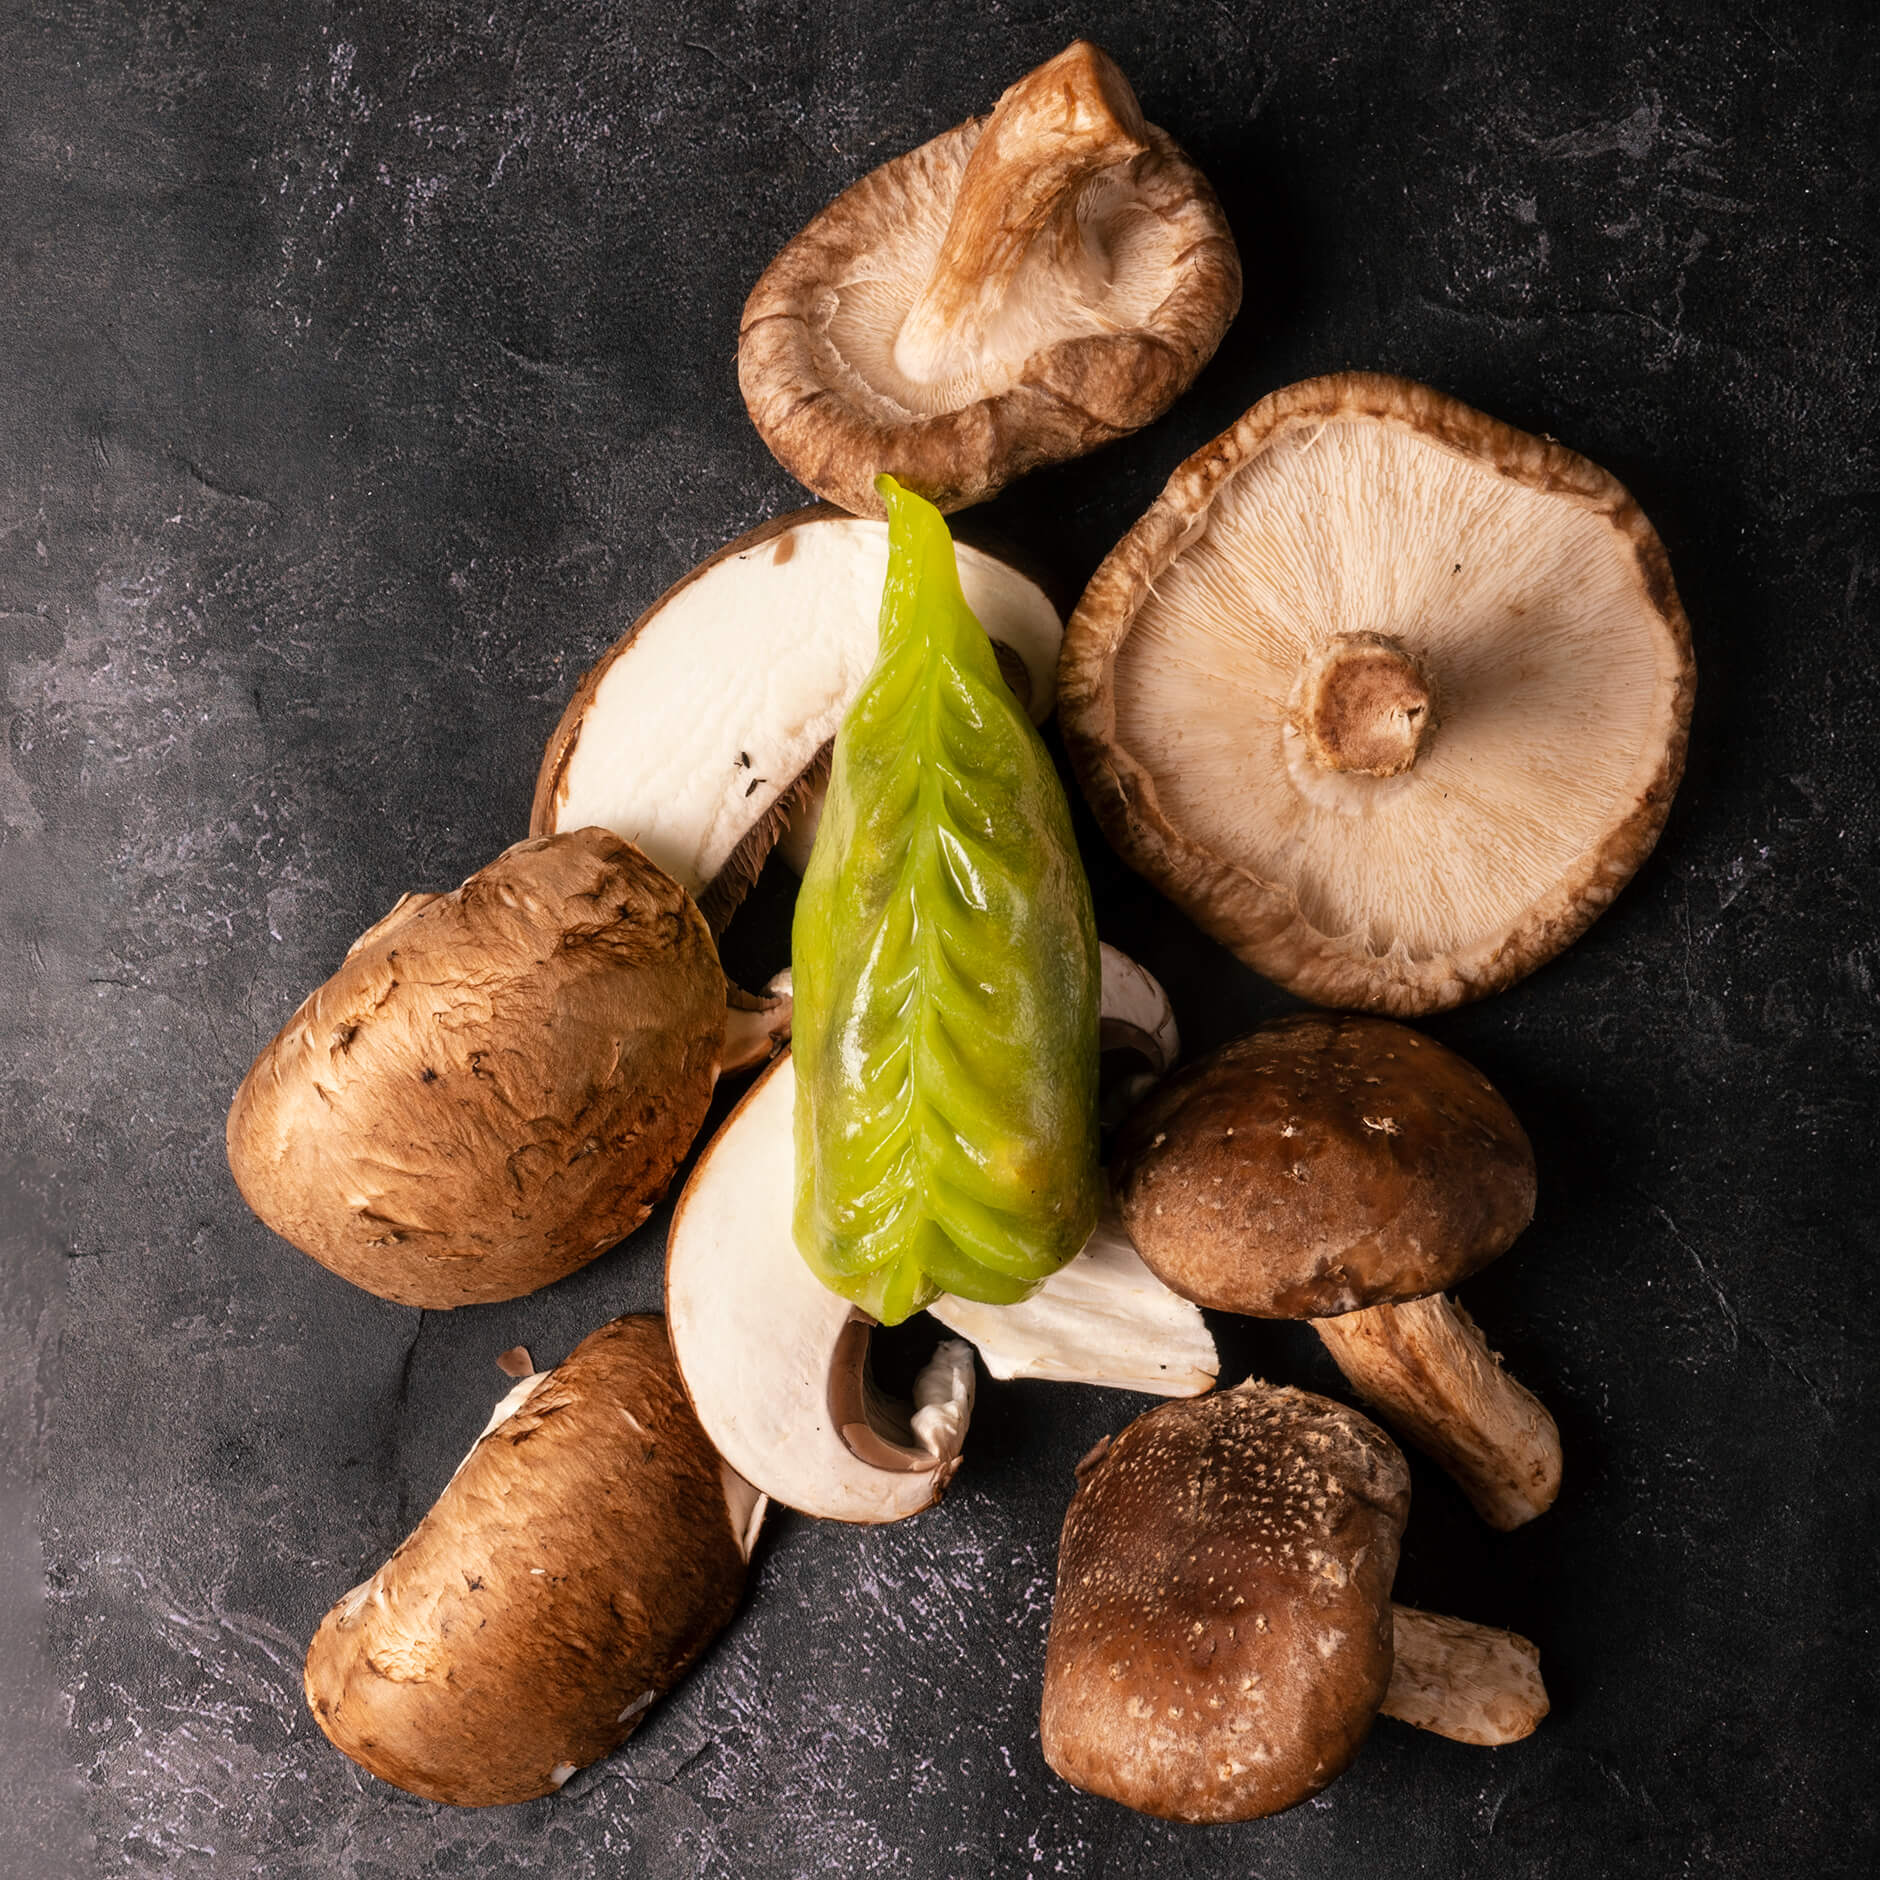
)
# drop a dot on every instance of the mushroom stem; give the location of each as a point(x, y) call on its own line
point(1470, 1683)
point(757, 1025)
point(1426, 1369)
point(1051, 131)
point(1364, 704)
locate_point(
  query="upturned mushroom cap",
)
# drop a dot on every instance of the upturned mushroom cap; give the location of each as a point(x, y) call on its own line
point(702, 734)
point(1221, 1637)
point(1321, 1165)
point(1016, 292)
point(1387, 696)
point(587, 1550)
point(496, 1085)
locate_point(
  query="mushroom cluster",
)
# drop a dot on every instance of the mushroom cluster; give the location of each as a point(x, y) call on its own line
point(1389, 697)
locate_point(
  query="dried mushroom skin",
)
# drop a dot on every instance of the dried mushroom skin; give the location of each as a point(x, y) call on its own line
point(496, 1085)
point(1387, 696)
point(1221, 1636)
point(946, 974)
point(1323, 1164)
point(1013, 293)
point(702, 735)
point(588, 1549)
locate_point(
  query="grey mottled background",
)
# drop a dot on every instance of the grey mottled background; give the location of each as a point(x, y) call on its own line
point(364, 368)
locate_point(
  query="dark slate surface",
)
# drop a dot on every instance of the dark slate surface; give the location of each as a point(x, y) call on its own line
point(365, 368)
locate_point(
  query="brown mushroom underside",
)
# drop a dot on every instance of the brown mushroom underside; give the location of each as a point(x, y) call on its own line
point(912, 237)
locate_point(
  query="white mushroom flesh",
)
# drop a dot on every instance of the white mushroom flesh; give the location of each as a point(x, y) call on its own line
point(724, 697)
point(1553, 684)
point(757, 1336)
point(1103, 1319)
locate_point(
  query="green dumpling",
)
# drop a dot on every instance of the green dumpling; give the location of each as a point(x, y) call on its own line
point(946, 973)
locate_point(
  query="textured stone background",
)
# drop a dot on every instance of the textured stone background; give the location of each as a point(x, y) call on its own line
point(364, 368)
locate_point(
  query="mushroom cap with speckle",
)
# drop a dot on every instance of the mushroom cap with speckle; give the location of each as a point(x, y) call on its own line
point(1221, 1637)
point(1323, 1164)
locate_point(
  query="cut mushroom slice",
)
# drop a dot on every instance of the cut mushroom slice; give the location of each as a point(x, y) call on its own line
point(1387, 696)
point(757, 1025)
point(1016, 292)
point(704, 730)
point(1103, 1319)
point(1339, 1168)
point(775, 1363)
point(1137, 1033)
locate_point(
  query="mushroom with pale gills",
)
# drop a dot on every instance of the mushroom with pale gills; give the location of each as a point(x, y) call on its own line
point(776, 1364)
point(1013, 293)
point(1222, 1635)
point(1348, 1170)
point(702, 735)
point(586, 1551)
point(1387, 696)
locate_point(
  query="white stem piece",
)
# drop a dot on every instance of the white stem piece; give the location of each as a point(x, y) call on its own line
point(1471, 1683)
point(1047, 136)
point(1428, 1372)
point(1103, 1319)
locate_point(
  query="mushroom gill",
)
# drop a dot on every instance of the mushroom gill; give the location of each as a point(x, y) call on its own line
point(1390, 697)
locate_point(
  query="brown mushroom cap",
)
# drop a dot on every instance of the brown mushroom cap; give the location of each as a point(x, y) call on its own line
point(1016, 292)
point(1321, 1165)
point(1389, 697)
point(574, 1567)
point(1221, 1636)
point(496, 1085)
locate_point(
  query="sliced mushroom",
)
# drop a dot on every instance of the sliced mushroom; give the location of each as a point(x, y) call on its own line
point(1222, 1635)
point(1103, 1319)
point(1016, 292)
point(496, 1085)
point(1337, 1165)
point(585, 1552)
point(776, 1364)
point(1388, 697)
point(703, 733)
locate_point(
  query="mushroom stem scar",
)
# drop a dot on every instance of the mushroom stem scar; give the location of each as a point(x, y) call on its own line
point(1470, 1683)
point(1047, 135)
point(1364, 704)
point(1426, 1369)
